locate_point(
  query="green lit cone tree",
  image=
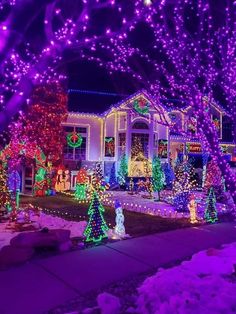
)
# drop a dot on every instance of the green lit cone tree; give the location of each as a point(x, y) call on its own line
point(210, 212)
point(96, 229)
point(158, 177)
point(123, 170)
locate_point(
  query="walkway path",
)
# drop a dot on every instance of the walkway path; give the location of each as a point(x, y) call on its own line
point(41, 284)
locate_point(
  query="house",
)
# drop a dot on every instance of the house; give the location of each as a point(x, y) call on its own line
point(184, 137)
point(137, 121)
point(106, 137)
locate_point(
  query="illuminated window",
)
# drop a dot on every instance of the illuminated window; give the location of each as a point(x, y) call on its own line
point(77, 153)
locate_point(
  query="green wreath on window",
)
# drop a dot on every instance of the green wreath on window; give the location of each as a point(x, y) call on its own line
point(141, 105)
point(74, 139)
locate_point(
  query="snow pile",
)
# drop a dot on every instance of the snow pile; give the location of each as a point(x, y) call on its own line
point(42, 221)
point(108, 303)
point(205, 284)
point(51, 222)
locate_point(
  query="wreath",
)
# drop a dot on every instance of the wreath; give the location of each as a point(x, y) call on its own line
point(74, 139)
point(141, 105)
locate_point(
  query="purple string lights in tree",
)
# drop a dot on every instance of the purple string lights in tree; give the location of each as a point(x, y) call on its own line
point(188, 52)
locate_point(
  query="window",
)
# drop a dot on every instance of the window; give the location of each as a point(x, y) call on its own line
point(77, 153)
point(80, 152)
point(139, 144)
point(140, 126)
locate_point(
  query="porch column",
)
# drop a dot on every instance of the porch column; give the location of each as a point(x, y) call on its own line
point(151, 138)
point(128, 139)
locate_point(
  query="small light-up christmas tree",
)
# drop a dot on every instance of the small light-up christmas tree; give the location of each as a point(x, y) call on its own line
point(158, 177)
point(123, 170)
point(96, 229)
point(211, 213)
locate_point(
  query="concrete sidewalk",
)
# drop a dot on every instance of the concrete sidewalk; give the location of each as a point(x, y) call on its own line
point(42, 284)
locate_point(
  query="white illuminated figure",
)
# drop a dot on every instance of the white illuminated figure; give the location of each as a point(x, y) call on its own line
point(119, 228)
point(192, 206)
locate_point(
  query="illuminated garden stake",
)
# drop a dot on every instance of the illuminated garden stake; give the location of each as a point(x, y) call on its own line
point(119, 228)
point(96, 229)
point(211, 213)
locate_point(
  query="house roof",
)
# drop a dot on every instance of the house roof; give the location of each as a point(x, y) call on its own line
point(155, 106)
point(163, 117)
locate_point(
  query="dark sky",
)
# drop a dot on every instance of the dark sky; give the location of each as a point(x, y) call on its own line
point(88, 76)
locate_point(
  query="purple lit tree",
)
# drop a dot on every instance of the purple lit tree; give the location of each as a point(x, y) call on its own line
point(183, 49)
point(190, 55)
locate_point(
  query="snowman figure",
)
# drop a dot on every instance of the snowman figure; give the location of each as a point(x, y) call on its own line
point(119, 228)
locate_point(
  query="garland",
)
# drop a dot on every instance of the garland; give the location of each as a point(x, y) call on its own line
point(74, 139)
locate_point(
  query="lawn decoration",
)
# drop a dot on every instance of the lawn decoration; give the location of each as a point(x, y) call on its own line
point(119, 228)
point(210, 212)
point(192, 206)
point(81, 185)
point(123, 170)
point(60, 181)
point(96, 229)
point(13, 153)
point(158, 176)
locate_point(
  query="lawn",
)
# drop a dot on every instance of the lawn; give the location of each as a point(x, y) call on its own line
point(136, 224)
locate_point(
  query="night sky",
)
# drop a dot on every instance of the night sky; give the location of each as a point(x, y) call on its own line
point(84, 75)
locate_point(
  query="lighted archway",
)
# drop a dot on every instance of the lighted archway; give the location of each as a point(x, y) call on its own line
point(32, 151)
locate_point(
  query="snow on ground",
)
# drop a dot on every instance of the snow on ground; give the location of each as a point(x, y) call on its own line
point(205, 284)
point(43, 221)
